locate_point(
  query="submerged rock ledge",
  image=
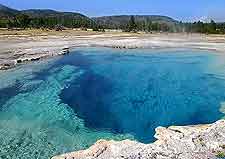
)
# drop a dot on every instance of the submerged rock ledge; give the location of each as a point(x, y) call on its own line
point(27, 55)
point(175, 142)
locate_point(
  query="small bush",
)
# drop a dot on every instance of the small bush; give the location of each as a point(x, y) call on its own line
point(220, 155)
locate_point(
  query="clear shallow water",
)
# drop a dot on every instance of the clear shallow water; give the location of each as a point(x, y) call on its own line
point(68, 103)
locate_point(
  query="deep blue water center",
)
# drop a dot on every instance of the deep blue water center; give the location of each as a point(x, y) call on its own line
point(69, 102)
point(136, 93)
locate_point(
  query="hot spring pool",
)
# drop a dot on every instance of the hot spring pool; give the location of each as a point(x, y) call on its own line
point(67, 103)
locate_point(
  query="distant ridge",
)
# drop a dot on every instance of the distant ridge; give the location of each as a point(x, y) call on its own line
point(120, 20)
point(36, 13)
point(8, 13)
point(108, 21)
point(51, 19)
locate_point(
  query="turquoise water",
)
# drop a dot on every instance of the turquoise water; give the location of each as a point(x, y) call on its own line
point(69, 102)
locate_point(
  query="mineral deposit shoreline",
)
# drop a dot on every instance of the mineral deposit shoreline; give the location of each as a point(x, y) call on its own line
point(18, 47)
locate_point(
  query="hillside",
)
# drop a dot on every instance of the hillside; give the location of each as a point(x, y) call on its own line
point(6, 12)
point(122, 20)
point(47, 17)
point(37, 13)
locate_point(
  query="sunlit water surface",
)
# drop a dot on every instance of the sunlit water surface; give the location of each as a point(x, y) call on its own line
point(67, 103)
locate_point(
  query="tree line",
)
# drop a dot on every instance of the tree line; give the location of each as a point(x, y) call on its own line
point(146, 26)
point(25, 21)
point(197, 27)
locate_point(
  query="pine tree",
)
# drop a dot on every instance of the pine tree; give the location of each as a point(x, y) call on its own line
point(132, 26)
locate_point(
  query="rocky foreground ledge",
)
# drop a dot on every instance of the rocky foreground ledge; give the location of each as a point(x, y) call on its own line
point(175, 142)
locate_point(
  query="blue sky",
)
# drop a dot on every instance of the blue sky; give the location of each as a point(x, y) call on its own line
point(185, 10)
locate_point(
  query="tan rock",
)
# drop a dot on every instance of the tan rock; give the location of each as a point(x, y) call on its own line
point(175, 142)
